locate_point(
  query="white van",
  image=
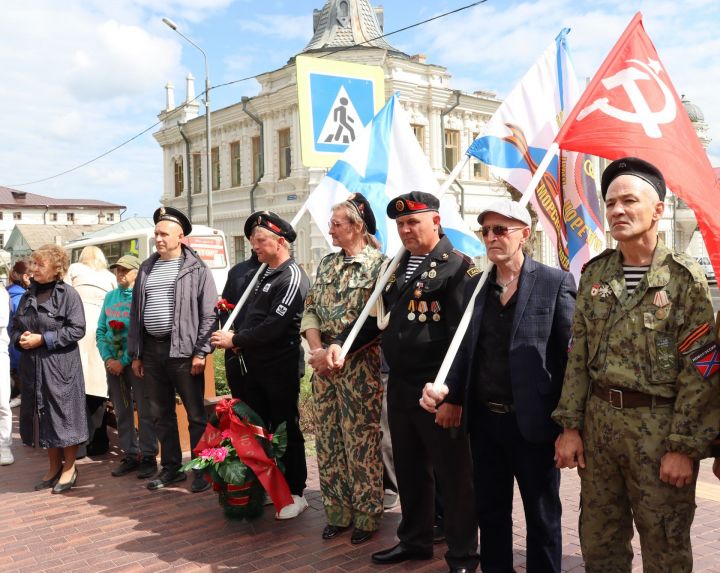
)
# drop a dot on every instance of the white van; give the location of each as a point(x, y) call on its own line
point(136, 236)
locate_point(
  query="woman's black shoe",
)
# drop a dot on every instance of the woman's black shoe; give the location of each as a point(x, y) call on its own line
point(360, 536)
point(63, 487)
point(46, 483)
point(332, 531)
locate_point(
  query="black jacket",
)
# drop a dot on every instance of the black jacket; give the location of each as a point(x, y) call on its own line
point(413, 348)
point(270, 329)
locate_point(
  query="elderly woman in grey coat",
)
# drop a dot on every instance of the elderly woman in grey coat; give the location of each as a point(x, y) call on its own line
point(46, 328)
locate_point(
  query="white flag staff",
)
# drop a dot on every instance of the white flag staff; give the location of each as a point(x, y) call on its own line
point(382, 281)
point(465, 320)
point(256, 278)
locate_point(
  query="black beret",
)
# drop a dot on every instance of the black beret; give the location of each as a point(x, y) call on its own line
point(362, 206)
point(272, 222)
point(637, 167)
point(409, 203)
point(174, 215)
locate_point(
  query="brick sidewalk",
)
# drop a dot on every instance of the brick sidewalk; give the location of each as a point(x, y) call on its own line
point(115, 524)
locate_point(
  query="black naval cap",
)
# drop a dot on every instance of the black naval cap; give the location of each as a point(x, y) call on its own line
point(272, 222)
point(174, 215)
point(362, 206)
point(410, 203)
point(637, 167)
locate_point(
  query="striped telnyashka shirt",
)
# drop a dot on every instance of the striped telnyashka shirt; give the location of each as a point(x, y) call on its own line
point(633, 276)
point(160, 297)
point(413, 263)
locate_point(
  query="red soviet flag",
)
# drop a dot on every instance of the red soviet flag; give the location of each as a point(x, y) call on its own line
point(630, 108)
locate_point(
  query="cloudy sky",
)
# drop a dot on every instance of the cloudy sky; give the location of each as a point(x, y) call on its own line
point(82, 76)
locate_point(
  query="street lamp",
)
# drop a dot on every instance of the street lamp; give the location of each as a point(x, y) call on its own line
point(170, 24)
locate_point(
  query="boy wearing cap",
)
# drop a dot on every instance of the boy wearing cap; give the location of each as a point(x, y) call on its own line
point(268, 345)
point(510, 367)
point(171, 320)
point(139, 446)
point(640, 403)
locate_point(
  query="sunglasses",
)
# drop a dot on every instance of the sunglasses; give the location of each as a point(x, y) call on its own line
point(498, 230)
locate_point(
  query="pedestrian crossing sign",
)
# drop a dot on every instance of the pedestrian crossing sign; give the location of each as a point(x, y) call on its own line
point(336, 100)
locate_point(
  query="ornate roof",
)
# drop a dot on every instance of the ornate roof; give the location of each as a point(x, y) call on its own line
point(693, 111)
point(347, 23)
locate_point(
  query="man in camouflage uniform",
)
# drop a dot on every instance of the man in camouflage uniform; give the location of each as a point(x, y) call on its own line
point(639, 404)
point(348, 402)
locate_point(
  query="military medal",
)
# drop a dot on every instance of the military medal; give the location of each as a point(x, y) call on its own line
point(605, 290)
point(661, 314)
point(661, 299)
point(422, 309)
point(424, 275)
point(595, 289)
point(432, 274)
point(435, 309)
point(411, 308)
point(417, 293)
point(445, 256)
point(433, 264)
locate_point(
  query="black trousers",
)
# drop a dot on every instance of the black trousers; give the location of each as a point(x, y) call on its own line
point(424, 452)
point(273, 393)
point(165, 376)
point(500, 456)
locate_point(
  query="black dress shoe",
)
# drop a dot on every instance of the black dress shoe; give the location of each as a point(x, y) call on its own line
point(360, 536)
point(46, 483)
point(398, 554)
point(438, 533)
point(63, 487)
point(459, 570)
point(166, 477)
point(332, 531)
point(199, 483)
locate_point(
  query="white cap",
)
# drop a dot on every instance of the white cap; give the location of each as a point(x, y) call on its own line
point(509, 209)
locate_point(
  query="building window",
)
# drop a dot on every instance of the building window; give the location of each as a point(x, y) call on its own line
point(53, 217)
point(215, 162)
point(452, 148)
point(1, 215)
point(419, 131)
point(239, 249)
point(179, 178)
point(480, 170)
point(17, 216)
point(2, 241)
point(235, 163)
point(197, 173)
point(257, 158)
point(110, 217)
point(284, 153)
point(70, 217)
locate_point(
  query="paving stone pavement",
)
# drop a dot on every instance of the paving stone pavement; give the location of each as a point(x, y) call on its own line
point(116, 524)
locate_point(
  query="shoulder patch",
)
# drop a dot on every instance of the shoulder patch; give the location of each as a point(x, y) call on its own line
point(602, 255)
point(706, 359)
point(473, 271)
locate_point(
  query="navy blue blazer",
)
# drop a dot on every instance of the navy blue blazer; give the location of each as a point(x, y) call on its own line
point(538, 348)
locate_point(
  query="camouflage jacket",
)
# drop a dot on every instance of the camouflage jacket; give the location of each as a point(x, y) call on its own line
point(340, 291)
point(659, 340)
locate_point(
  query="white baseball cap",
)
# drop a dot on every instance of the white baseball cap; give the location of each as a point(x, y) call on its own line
point(509, 209)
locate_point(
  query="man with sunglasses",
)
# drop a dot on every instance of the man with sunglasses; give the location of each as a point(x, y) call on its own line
point(424, 300)
point(510, 366)
point(639, 404)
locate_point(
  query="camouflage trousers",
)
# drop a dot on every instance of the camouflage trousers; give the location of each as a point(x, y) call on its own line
point(620, 482)
point(347, 435)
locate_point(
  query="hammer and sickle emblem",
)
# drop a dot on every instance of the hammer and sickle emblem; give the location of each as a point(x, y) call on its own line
point(628, 79)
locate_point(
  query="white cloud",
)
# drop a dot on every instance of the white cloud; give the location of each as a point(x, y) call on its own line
point(279, 26)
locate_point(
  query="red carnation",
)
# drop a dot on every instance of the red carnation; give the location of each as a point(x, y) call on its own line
point(224, 306)
point(116, 325)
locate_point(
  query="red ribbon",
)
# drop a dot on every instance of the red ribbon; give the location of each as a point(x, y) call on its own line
point(242, 436)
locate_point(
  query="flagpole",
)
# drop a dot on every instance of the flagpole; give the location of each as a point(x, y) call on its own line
point(465, 320)
point(382, 281)
point(256, 278)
